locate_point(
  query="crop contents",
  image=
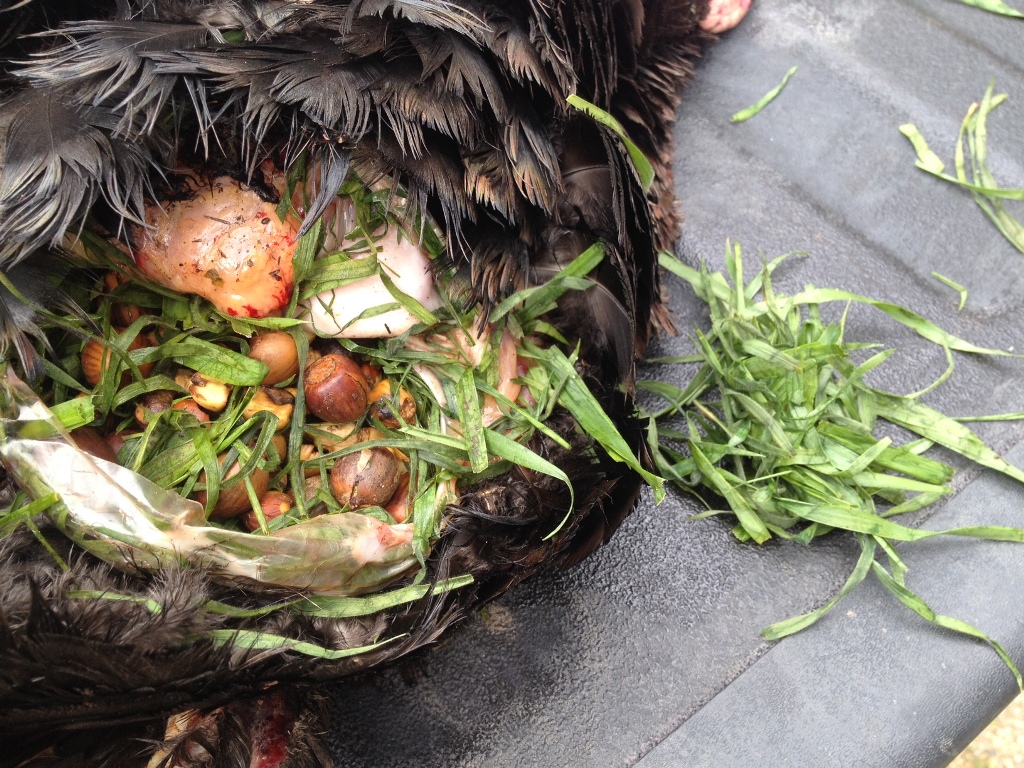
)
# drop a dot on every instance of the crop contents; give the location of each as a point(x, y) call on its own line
point(296, 411)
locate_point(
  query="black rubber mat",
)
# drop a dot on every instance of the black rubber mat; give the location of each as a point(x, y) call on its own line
point(649, 652)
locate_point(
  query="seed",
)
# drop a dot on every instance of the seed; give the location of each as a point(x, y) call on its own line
point(274, 504)
point(277, 351)
point(336, 389)
point(368, 478)
point(151, 405)
point(387, 407)
point(116, 440)
point(211, 394)
point(310, 491)
point(188, 405)
point(90, 440)
point(280, 402)
point(372, 373)
point(280, 443)
point(398, 505)
point(96, 359)
point(121, 314)
point(333, 437)
point(234, 500)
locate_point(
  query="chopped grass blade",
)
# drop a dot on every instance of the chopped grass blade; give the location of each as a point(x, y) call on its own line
point(955, 286)
point(94, 594)
point(745, 114)
point(261, 641)
point(347, 607)
point(918, 606)
point(793, 625)
point(974, 133)
point(995, 6)
point(643, 165)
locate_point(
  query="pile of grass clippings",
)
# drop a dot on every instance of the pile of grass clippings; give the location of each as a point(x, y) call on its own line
point(779, 423)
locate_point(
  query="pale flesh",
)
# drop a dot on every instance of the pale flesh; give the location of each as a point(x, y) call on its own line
point(225, 244)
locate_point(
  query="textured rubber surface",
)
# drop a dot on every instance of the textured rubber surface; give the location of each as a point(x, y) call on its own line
point(650, 650)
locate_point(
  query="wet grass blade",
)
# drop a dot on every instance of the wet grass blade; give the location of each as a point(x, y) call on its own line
point(927, 160)
point(350, 607)
point(995, 6)
point(581, 403)
point(250, 640)
point(643, 166)
point(942, 430)
point(94, 594)
point(795, 624)
point(902, 315)
point(974, 133)
point(745, 114)
point(472, 421)
point(918, 606)
point(955, 286)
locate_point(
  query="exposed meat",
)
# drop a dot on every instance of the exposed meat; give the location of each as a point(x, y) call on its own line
point(723, 15)
point(225, 244)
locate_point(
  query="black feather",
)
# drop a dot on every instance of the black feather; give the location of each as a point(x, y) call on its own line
point(334, 164)
point(57, 159)
point(36, 291)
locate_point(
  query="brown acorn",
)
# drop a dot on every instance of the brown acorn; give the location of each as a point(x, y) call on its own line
point(274, 504)
point(116, 440)
point(90, 440)
point(336, 389)
point(151, 404)
point(280, 443)
point(188, 405)
point(122, 314)
point(372, 373)
point(312, 487)
point(398, 505)
point(277, 351)
point(387, 407)
point(234, 500)
point(96, 358)
point(365, 479)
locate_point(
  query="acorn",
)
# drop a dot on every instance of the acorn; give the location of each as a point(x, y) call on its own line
point(188, 405)
point(368, 478)
point(372, 373)
point(280, 443)
point(333, 437)
point(280, 402)
point(277, 351)
point(306, 453)
point(90, 440)
point(387, 407)
point(234, 500)
point(121, 314)
point(116, 440)
point(336, 389)
point(210, 393)
point(96, 358)
point(312, 487)
point(274, 504)
point(152, 404)
point(398, 505)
